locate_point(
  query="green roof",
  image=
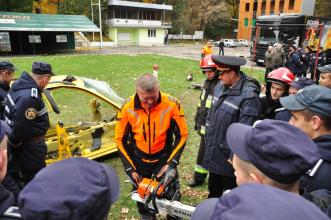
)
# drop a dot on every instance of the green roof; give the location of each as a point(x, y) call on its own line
point(10, 21)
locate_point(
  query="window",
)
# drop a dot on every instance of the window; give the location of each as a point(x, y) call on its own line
point(255, 6)
point(263, 7)
point(151, 33)
point(291, 5)
point(124, 36)
point(247, 7)
point(281, 6)
point(34, 39)
point(272, 6)
point(61, 38)
point(246, 22)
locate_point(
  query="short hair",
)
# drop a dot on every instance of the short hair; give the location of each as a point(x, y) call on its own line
point(307, 114)
point(147, 82)
point(37, 76)
point(248, 168)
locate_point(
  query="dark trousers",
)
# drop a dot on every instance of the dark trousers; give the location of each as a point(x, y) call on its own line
point(27, 161)
point(217, 184)
point(200, 173)
point(11, 185)
point(221, 51)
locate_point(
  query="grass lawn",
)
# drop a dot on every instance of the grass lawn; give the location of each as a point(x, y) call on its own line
point(120, 71)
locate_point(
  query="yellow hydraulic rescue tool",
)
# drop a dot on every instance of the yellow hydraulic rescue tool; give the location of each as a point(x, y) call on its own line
point(62, 140)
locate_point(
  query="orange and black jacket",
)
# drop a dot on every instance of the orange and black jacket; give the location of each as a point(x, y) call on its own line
point(156, 136)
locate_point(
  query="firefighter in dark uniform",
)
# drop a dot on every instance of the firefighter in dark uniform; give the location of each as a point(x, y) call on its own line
point(7, 70)
point(26, 114)
point(151, 134)
point(208, 68)
point(236, 99)
point(278, 84)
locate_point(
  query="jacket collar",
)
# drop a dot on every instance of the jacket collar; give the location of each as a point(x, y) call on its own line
point(137, 102)
point(236, 89)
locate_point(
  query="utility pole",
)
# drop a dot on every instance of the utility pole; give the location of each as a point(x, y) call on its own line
point(92, 18)
point(100, 22)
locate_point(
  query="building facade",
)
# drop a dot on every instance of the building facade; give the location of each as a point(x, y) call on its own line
point(136, 23)
point(249, 10)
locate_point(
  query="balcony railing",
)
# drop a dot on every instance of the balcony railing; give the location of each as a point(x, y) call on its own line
point(118, 22)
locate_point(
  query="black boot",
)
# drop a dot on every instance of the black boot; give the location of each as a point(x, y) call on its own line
point(195, 183)
point(198, 179)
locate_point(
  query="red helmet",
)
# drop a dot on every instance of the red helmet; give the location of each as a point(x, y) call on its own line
point(207, 64)
point(281, 75)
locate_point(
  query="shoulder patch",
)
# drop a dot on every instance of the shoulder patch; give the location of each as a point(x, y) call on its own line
point(174, 100)
point(31, 113)
point(34, 92)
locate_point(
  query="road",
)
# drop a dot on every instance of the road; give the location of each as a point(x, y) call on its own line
point(187, 51)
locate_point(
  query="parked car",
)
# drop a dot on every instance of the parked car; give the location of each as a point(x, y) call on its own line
point(228, 43)
point(82, 118)
point(243, 42)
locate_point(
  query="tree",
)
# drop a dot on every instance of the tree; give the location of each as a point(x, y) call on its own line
point(16, 6)
point(233, 6)
point(323, 8)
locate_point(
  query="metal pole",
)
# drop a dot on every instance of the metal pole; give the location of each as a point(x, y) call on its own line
point(92, 17)
point(100, 25)
point(257, 34)
point(318, 49)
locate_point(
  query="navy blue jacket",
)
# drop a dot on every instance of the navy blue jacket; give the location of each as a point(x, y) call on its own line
point(6, 200)
point(4, 89)
point(26, 113)
point(25, 110)
point(237, 104)
point(272, 109)
point(320, 177)
point(294, 63)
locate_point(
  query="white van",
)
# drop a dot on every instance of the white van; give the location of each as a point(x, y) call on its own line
point(243, 42)
point(230, 42)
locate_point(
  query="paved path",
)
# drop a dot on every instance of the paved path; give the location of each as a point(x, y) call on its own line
point(188, 51)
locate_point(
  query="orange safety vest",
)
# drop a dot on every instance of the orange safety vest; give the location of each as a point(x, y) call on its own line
point(152, 132)
point(206, 51)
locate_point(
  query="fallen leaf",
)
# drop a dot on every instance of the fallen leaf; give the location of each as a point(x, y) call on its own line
point(124, 210)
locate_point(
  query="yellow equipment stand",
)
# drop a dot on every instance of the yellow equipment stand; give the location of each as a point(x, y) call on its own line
point(62, 140)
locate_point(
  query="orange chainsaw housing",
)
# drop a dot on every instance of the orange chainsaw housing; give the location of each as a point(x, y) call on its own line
point(148, 186)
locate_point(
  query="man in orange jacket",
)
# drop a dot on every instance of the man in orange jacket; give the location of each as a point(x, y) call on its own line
point(150, 134)
point(206, 50)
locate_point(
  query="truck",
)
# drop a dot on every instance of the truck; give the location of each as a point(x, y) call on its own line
point(288, 29)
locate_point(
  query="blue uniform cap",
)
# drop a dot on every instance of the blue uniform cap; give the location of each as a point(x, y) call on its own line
point(205, 209)
point(4, 65)
point(42, 68)
point(228, 62)
point(325, 69)
point(315, 98)
point(261, 202)
point(279, 150)
point(75, 188)
point(302, 82)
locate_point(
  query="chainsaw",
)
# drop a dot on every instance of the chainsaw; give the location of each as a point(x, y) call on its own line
point(153, 194)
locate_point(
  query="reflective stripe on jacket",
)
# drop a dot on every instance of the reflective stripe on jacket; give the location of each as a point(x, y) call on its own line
point(151, 136)
point(239, 103)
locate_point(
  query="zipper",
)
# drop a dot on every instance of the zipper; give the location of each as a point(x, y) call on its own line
point(149, 132)
point(144, 131)
point(154, 132)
